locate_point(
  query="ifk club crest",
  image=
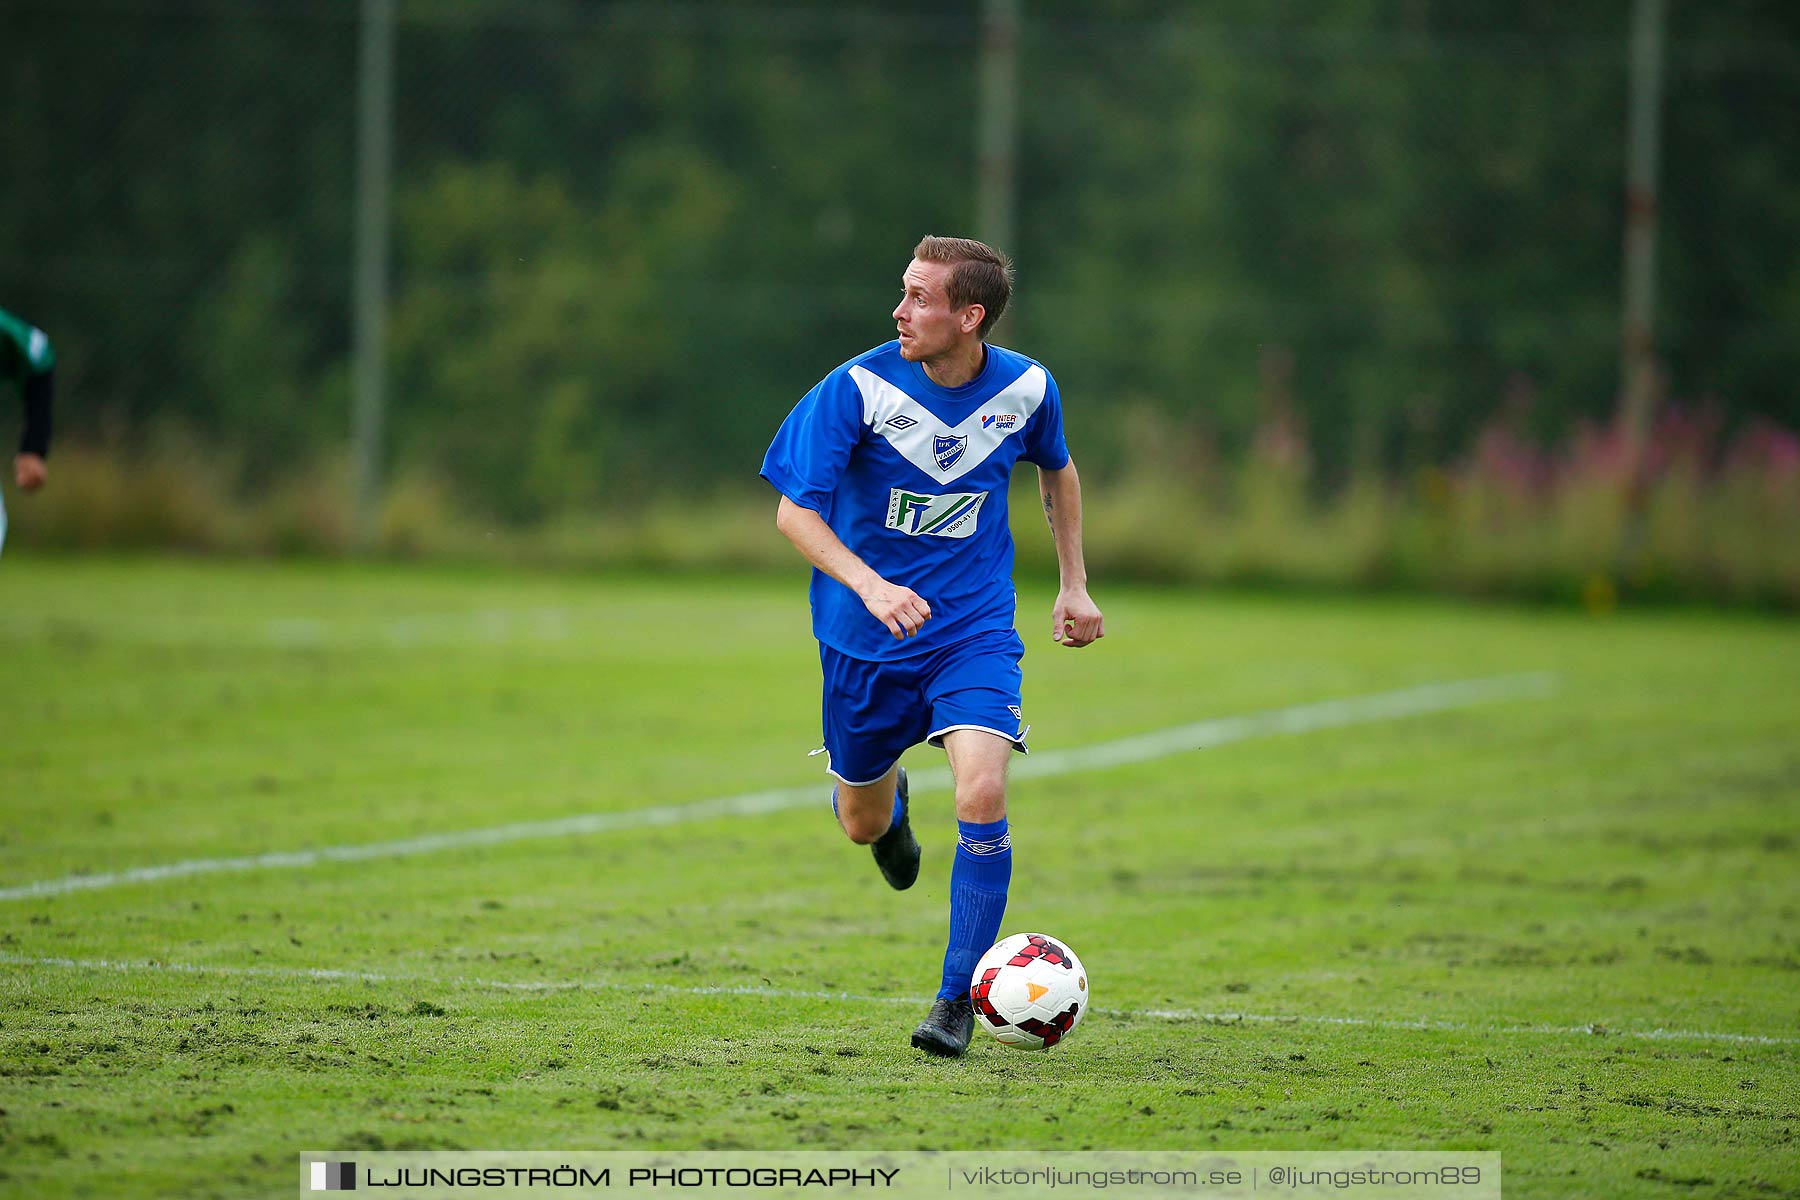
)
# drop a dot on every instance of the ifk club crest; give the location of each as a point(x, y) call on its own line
point(947, 450)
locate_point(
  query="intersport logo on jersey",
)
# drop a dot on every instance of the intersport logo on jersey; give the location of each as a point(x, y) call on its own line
point(918, 514)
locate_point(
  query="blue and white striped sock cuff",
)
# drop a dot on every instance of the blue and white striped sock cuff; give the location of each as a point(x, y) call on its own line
point(985, 849)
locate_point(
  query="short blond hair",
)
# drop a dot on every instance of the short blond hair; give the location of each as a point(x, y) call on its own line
point(979, 274)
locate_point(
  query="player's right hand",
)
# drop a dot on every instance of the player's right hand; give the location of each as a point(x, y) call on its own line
point(901, 609)
point(30, 471)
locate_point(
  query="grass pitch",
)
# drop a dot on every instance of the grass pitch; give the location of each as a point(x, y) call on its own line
point(1562, 928)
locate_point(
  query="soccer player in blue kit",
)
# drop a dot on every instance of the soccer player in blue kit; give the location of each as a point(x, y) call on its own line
point(893, 474)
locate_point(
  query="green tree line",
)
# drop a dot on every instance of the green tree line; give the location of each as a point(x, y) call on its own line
point(628, 236)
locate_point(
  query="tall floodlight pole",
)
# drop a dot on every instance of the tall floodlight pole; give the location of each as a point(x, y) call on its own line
point(1637, 351)
point(997, 151)
point(374, 166)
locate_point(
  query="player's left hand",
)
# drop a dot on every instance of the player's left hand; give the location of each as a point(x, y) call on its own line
point(30, 471)
point(1076, 621)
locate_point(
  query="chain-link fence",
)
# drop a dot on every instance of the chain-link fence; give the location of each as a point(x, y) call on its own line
point(626, 237)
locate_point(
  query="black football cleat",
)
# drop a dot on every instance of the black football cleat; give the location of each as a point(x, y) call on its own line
point(897, 850)
point(946, 1029)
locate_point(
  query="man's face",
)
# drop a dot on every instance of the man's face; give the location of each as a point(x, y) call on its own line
point(928, 325)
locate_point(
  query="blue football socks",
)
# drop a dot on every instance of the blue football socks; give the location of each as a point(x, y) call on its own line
point(978, 881)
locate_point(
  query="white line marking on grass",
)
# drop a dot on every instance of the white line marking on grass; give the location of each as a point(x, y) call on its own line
point(543, 987)
point(1658, 1034)
point(495, 626)
point(1301, 718)
point(492, 626)
point(588, 823)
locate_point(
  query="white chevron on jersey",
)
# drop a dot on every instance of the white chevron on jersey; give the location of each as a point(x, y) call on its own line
point(912, 433)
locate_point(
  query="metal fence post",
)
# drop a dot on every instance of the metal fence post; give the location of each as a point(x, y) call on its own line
point(374, 166)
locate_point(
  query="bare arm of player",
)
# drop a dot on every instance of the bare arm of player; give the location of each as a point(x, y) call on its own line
point(901, 609)
point(30, 471)
point(1076, 621)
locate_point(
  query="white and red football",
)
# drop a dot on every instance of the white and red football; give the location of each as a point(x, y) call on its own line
point(1030, 991)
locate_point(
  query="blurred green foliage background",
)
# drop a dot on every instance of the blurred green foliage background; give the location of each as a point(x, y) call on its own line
point(1347, 261)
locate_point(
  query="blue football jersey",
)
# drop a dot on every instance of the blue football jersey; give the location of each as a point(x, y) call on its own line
point(913, 477)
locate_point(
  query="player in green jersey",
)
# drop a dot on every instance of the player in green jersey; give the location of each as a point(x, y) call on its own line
point(25, 353)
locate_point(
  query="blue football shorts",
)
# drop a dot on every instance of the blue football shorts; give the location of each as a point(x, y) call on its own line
point(875, 711)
